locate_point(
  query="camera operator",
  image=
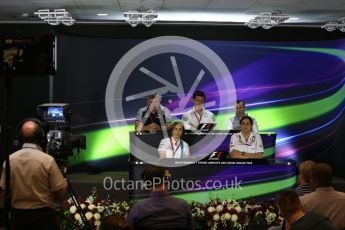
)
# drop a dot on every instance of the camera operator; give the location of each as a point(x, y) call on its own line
point(36, 182)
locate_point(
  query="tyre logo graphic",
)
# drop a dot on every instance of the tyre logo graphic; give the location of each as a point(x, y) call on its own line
point(172, 45)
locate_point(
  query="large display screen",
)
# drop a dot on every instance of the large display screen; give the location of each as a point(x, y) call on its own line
point(294, 89)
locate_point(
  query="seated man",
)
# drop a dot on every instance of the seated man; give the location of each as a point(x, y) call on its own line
point(152, 117)
point(325, 199)
point(197, 115)
point(234, 123)
point(291, 210)
point(160, 210)
point(304, 178)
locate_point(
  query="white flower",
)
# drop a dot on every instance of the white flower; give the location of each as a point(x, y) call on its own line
point(199, 212)
point(97, 216)
point(234, 202)
point(234, 217)
point(219, 208)
point(97, 222)
point(88, 215)
point(229, 207)
point(270, 217)
point(77, 216)
point(222, 217)
point(70, 201)
point(211, 209)
point(72, 209)
point(91, 206)
point(100, 208)
point(227, 216)
point(90, 199)
point(82, 206)
point(238, 208)
point(258, 213)
point(215, 217)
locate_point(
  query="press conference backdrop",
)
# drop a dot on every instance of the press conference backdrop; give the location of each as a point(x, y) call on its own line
point(295, 89)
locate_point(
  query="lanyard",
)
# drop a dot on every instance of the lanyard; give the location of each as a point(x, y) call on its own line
point(172, 146)
point(196, 116)
point(248, 144)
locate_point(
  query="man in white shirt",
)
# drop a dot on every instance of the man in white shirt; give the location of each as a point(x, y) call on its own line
point(152, 117)
point(234, 123)
point(198, 114)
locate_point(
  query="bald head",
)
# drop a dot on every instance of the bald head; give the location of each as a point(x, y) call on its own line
point(30, 131)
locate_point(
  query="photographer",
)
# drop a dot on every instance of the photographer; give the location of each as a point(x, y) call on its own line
point(36, 182)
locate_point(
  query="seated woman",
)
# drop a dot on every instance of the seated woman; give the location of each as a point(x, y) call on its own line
point(246, 144)
point(174, 147)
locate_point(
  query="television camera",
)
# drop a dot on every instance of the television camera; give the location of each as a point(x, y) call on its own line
point(60, 141)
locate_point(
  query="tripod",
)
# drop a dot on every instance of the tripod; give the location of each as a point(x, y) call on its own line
point(72, 195)
point(56, 146)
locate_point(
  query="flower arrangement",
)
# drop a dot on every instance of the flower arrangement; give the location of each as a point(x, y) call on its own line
point(231, 214)
point(216, 214)
point(93, 209)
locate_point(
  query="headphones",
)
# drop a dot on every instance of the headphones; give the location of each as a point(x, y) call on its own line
point(39, 136)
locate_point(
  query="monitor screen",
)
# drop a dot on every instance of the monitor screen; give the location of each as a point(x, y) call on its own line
point(55, 113)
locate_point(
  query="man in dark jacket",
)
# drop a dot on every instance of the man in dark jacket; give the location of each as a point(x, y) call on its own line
point(160, 210)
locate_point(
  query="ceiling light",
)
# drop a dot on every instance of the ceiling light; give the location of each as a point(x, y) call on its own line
point(102, 14)
point(136, 17)
point(267, 20)
point(56, 17)
point(332, 26)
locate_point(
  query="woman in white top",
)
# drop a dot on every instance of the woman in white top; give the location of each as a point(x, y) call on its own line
point(174, 147)
point(246, 144)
